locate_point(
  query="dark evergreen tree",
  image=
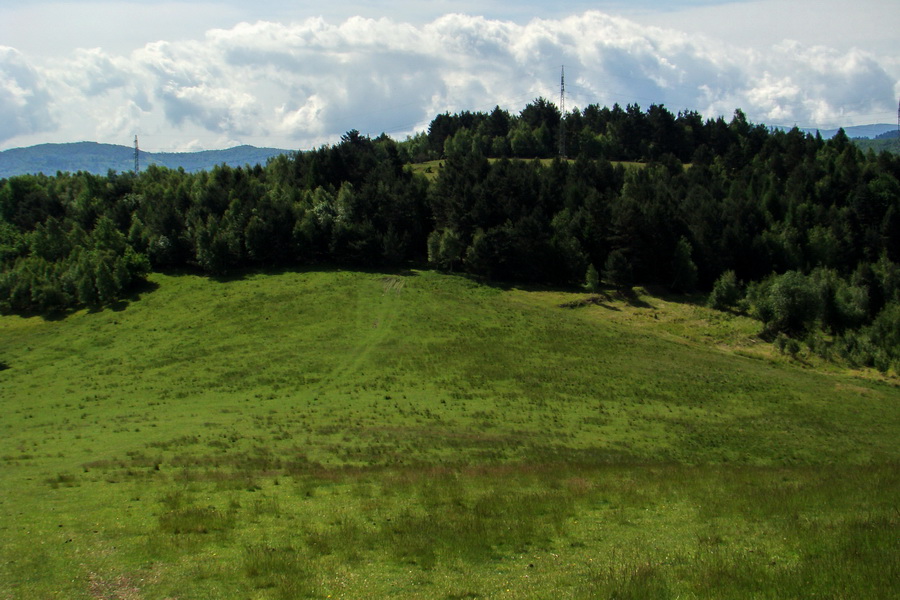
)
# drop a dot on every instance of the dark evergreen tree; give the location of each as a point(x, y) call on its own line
point(617, 270)
point(684, 271)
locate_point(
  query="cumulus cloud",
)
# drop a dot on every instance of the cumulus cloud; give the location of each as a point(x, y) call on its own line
point(93, 72)
point(306, 83)
point(24, 100)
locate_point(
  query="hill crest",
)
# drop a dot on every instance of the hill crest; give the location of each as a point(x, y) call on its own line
point(99, 158)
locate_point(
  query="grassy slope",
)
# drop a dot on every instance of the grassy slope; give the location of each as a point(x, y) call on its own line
point(430, 169)
point(420, 435)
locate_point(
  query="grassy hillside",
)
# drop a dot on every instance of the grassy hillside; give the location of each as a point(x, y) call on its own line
point(432, 168)
point(879, 145)
point(345, 434)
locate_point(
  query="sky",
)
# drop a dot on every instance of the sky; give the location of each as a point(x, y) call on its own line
point(190, 75)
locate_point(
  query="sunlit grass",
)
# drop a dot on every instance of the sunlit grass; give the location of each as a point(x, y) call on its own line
point(306, 434)
point(431, 169)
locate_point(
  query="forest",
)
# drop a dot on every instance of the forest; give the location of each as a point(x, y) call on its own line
point(801, 233)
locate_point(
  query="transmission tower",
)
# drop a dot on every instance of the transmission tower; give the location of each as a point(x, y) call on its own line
point(137, 162)
point(562, 112)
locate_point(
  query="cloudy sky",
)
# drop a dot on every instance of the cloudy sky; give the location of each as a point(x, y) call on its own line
point(196, 74)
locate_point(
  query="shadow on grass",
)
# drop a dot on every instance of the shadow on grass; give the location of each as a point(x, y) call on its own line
point(664, 293)
point(525, 286)
point(599, 299)
point(59, 314)
point(630, 297)
point(137, 292)
point(627, 295)
point(243, 273)
point(56, 314)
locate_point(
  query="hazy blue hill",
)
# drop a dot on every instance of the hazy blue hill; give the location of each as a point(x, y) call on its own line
point(869, 131)
point(207, 159)
point(80, 156)
point(857, 131)
point(100, 158)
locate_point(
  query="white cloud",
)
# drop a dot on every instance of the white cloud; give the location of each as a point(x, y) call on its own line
point(869, 24)
point(305, 83)
point(24, 100)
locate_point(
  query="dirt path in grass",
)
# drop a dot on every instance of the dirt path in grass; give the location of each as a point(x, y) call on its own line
point(375, 311)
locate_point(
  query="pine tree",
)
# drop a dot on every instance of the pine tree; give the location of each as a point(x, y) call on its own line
point(684, 271)
point(618, 269)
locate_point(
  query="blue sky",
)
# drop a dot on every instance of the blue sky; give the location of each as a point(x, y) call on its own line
point(198, 74)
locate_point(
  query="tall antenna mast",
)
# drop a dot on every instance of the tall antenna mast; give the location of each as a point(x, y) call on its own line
point(137, 162)
point(562, 112)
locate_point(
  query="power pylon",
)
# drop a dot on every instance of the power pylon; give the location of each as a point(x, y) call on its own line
point(562, 113)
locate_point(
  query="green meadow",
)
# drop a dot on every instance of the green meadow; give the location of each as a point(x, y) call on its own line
point(432, 168)
point(342, 434)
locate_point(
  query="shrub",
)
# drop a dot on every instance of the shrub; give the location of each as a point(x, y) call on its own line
point(786, 304)
point(592, 279)
point(726, 292)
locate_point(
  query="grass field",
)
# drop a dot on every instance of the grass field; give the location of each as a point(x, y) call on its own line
point(416, 435)
point(432, 168)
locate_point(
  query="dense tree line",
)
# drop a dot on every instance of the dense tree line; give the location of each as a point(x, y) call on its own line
point(616, 134)
point(802, 233)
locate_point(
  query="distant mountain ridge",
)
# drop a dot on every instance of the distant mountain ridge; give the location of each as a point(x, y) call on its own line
point(99, 158)
point(853, 132)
